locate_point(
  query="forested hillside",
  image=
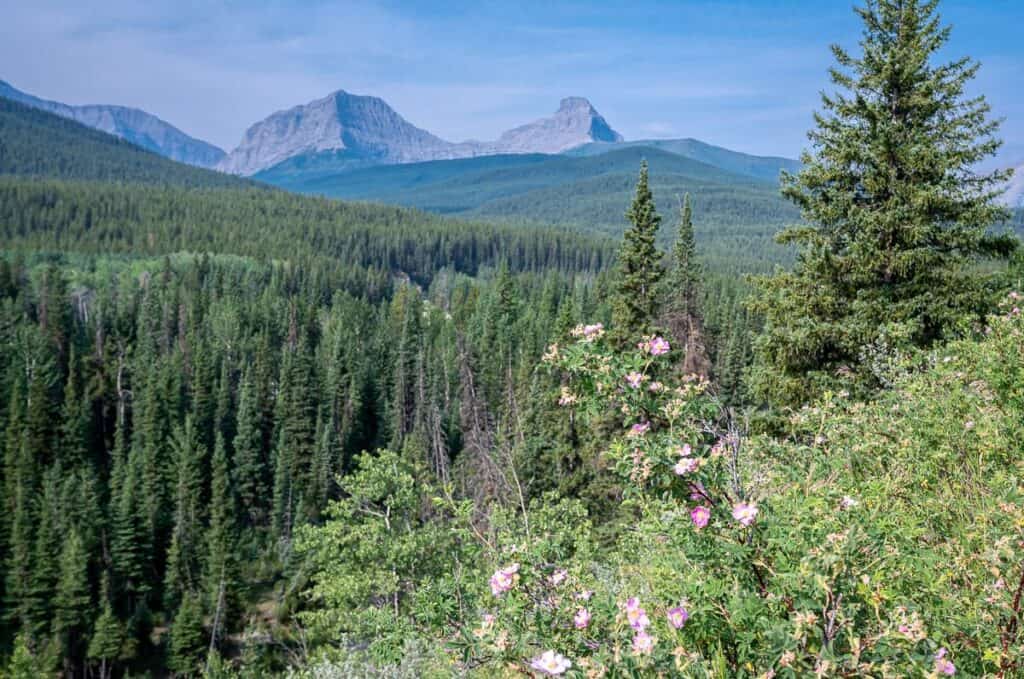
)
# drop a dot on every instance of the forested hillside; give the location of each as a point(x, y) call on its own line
point(252, 433)
point(34, 143)
point(133, 219)
point(735, 217)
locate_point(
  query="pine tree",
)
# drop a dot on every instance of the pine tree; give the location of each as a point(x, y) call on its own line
point(130, 539)
point(72, 603)
point(183, 557)
point(220, 572)
point(896, 213)
point(74, 428)
point(407, 307)
point(46, 555)
point(634, 307)
point(186, 646)
point(249, 474)
point(105, 646)
point(682, 315)
point(225, 417)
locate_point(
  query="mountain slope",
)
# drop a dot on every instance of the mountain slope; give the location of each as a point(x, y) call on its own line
point(345, 131)
point(766, 168)
point(590, 193)
point(34, 143)
point(137, 126)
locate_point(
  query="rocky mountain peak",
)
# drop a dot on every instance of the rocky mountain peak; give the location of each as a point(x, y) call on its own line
point(366, 128)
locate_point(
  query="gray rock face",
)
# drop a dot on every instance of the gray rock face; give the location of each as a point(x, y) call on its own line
point(132, 124)
point(576, 122)
point(367, 128)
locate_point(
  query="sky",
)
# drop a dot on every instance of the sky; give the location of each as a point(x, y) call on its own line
point(744, 74)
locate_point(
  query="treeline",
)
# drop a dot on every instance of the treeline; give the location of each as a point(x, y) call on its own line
point(105, 218)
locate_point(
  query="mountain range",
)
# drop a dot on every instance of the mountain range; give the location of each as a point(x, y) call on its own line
point(308, 147)
point(343, 131)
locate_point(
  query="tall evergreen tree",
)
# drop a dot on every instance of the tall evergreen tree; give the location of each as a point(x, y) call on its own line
point(72, 603)
point(186, 644)
point(46, 554)
point(185, 553)
point(107, 642)
point(635, 304)
point(897, 213)
point(74, 423)
point(250, 470)
point(220, 572)
point(681, 311)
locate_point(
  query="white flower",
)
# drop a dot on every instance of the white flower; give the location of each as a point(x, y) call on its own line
point(551, 663)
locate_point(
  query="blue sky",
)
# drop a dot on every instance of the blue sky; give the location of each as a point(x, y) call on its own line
point(744, 74)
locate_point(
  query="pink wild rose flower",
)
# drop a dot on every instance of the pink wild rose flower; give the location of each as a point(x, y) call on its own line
point(685, 466)
point(700, 516)
point(635, 615)
point(944, 665)
point(639, 429)
point(659, 346)
point(745, 512)
point(504, 579)
point(677, 616)
point(582, 619)
point(643, 643)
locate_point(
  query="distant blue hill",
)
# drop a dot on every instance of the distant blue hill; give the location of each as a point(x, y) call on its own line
point(766, 168)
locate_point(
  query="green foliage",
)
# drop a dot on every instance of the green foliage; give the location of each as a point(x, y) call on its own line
point(848, 547)
point(898, 218)
point(40, 144)
point(149, 220)
point(639, 269)
point(374, 561)
point(187, 643)
point(106, 646)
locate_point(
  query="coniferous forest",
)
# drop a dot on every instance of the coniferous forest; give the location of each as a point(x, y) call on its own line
point(250, 433)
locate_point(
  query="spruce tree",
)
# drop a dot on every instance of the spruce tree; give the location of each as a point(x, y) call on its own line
point(635, 303)
point(18, 601)
point(183, 557)
point(72, 602)
point(186, 645)
point(896, 213)
point(74, 426)
point(46, 555)
point(681, 314)
point(220, 573)
point(250, 467)
point(105, 646)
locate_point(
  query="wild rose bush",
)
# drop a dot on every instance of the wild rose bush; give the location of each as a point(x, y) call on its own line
point(881, 539)
point(748, 557)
